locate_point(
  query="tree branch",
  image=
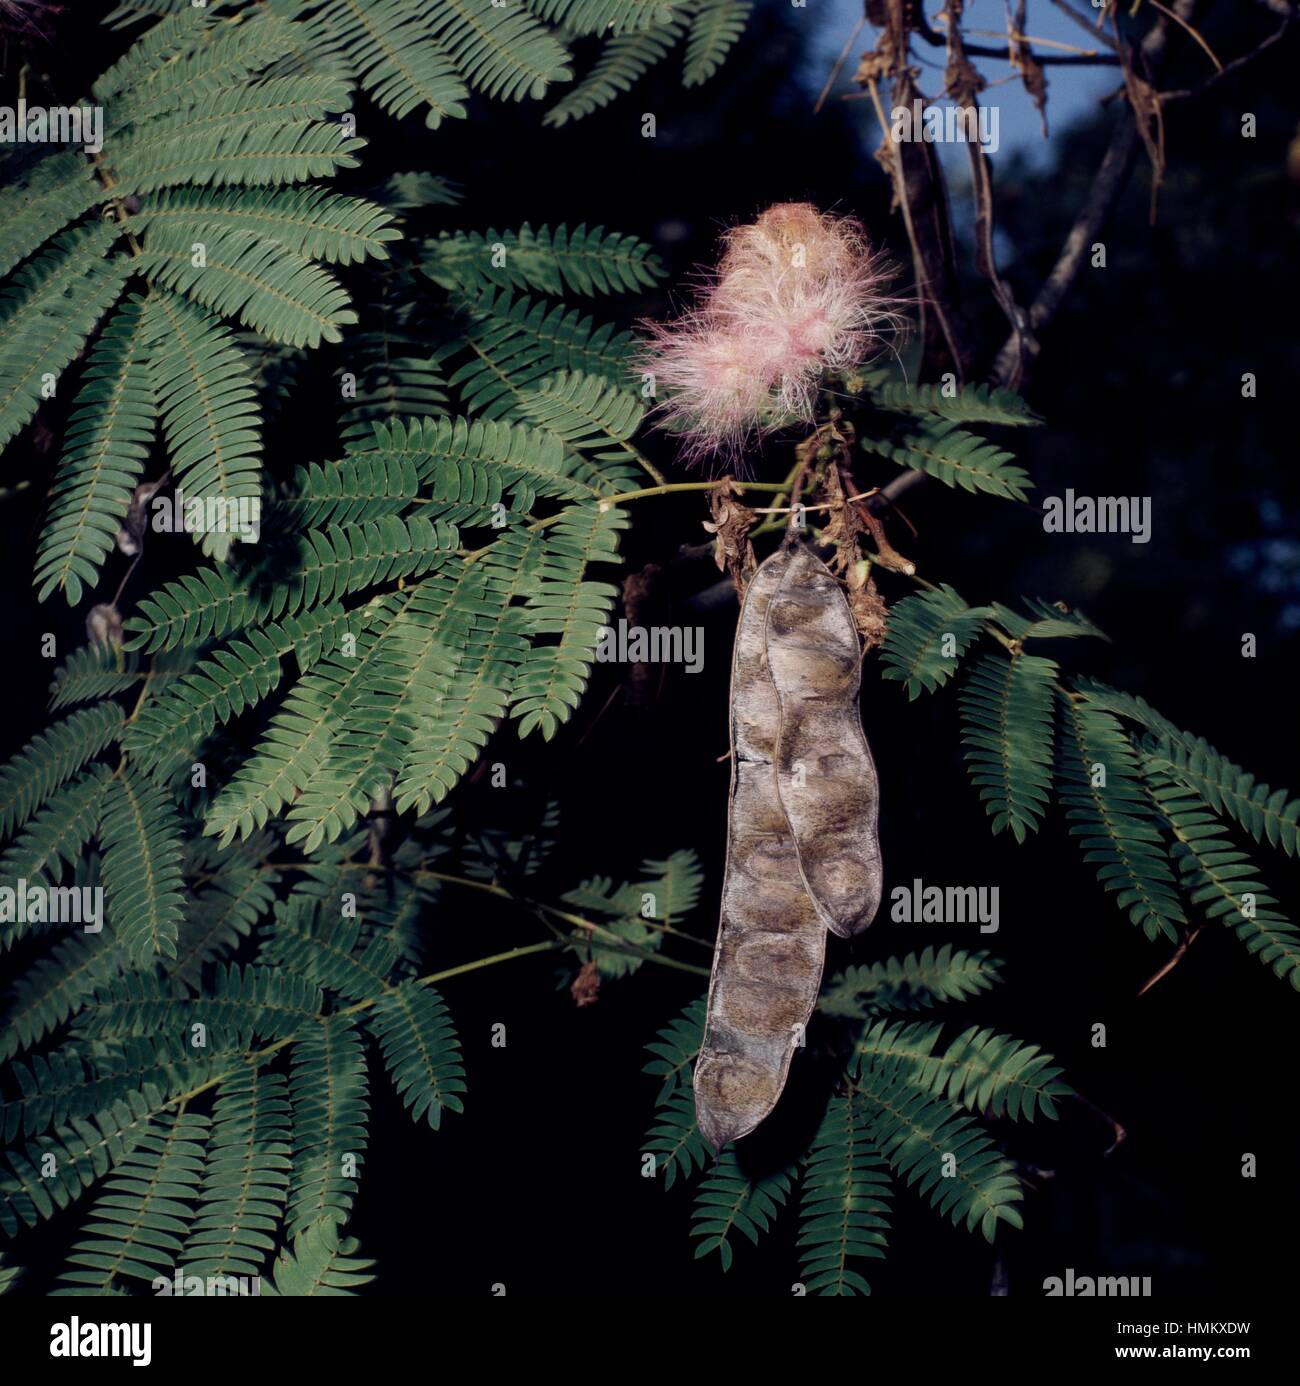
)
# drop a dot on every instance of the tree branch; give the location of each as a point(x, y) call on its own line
point(1019, 352)
point(1016, 356)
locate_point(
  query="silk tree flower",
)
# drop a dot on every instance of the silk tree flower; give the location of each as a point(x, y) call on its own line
point(796, 294)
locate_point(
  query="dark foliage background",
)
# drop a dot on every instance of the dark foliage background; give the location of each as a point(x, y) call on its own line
point(538, 1186)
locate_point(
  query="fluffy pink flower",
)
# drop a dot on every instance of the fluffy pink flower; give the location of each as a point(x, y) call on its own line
point(796, 293)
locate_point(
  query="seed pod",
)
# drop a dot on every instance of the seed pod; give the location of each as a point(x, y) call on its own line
point(802, 853)
point(825, 775)
point(767, 964)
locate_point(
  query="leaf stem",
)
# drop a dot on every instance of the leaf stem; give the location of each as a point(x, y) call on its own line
point(576, 920)
point(257, 1055)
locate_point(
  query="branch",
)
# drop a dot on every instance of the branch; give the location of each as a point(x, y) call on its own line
point(1100, 35)
point(1018, 352)
point(1016, 356)
point(1235, 65)
point(977, 50)
point(1175, 958)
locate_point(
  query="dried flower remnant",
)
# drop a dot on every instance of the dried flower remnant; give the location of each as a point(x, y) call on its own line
point(796, 293)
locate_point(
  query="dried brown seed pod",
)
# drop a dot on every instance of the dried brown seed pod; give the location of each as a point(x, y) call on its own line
point(798, 860)
point(767, 964)
point(825, 775)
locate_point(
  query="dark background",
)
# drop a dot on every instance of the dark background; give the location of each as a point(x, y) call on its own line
point(538, 1185)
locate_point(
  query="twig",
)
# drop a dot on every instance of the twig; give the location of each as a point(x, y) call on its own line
point(1085, 58)
point(1173, 962)
point(1235, 65)
point(1012, 365)
point(1121, 1135)
point(1178, 19)
point(1018, 353)
point(839, 64)
point(1086, 24)
point(1033, 38)
point(577, 921)
point(257, 1055)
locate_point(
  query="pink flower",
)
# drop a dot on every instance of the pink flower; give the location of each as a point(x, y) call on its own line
point(796, 294)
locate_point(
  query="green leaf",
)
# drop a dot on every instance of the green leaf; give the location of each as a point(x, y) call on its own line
point(329, 563)
point(51, 194)
point(716, 26)
point(667, 891)
point(505, 53)
point(1046, 621)
point(421, 1051)
point(138, 1227)
point(328, 1089)
point(223, 910)
point(364, 487)
point(309, 941)
point(938, 1150)
point(517, 343)
point(255, 134)
point(1267, 814)
point(469, 465)
point(550, 684)
point(623, 60)
point(50, 308)
point(676, 1047)
point(34, 1188)
point(70, 1082)
point(239, 1004)
point(584, 260)
point(141, 836)
point(1006, 712)
point(271, 288)
point(450, 735)
point(56, 986)
point(235, 677)
point(245, 1178)
point(104, 452)
point(612, 16)
point(844, 1212)
point(393, 49)
point(675, 1140)
point(926, 637)
point(209, 413)
point(956, 458)
point(56, 837)
point(1110, 811)
point(93, 671)
point(730, 1201)
point(51, 757)
point(916, 982)
point(320, 1264)
point(587, 412)
point(396, 375)
point(400, 724)
point(294, 748)
point(982, 404)
point(990, 1074)
point(1220, 879)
